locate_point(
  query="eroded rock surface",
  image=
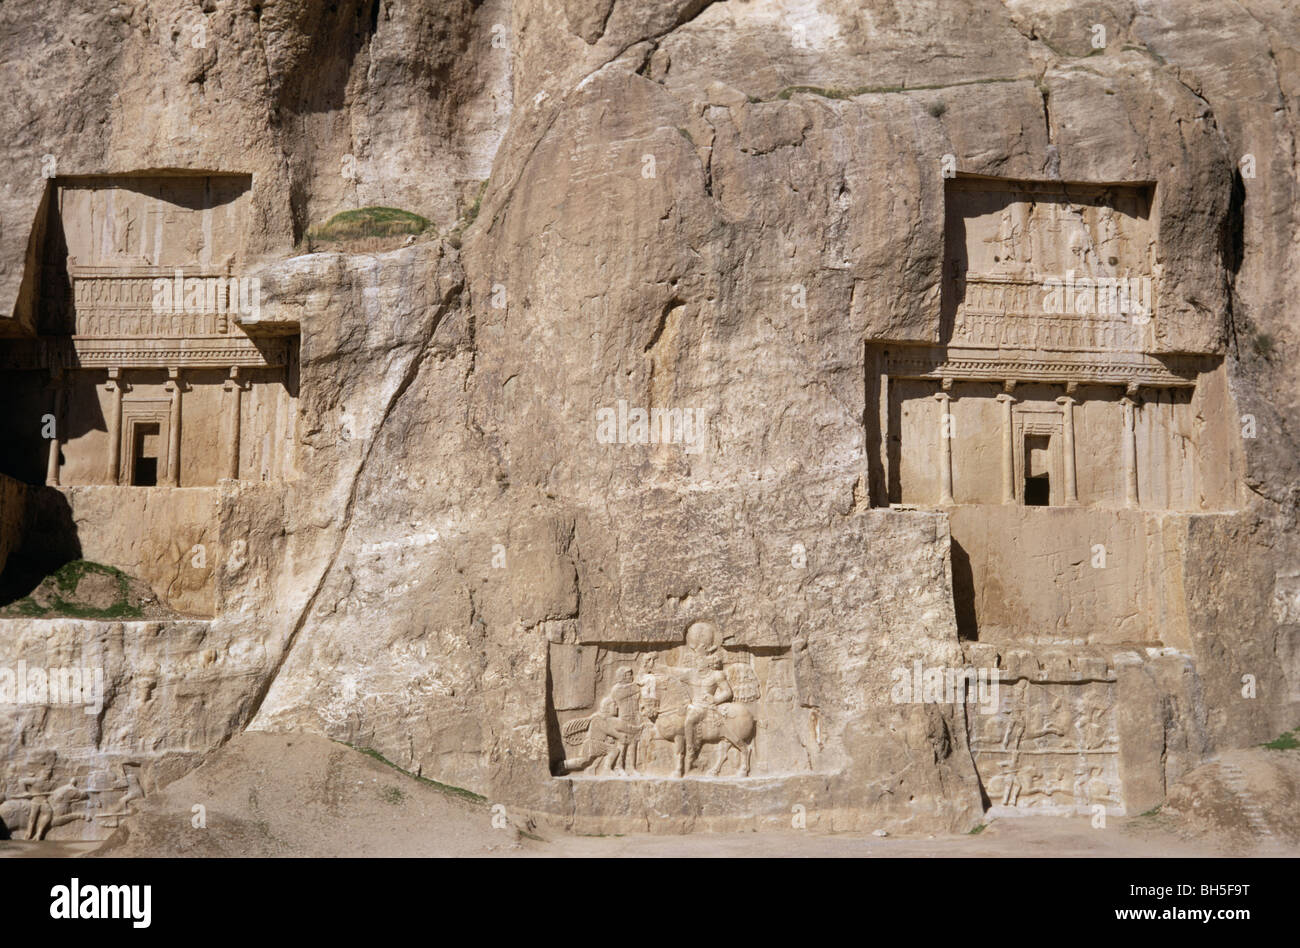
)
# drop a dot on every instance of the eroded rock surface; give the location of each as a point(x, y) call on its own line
point(432, 529)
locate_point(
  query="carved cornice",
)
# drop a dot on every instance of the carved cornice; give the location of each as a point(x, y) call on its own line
point(939, 362)
point(74, 352)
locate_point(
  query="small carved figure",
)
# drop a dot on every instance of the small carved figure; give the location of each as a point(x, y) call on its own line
point(1099, 790)
point(603, 737)
point(1095, 730)
point(1006, 240)
point(997, 783)
point(1012, 786)
point(744, 682)
point(648, 684)
point(626, 695)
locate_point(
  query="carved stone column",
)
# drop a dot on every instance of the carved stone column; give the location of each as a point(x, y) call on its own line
point(1066, 402)
point(1008, 444)
point(115, 427)
point(945, 447)
point(174, 429)
point(235, 388)
point(56, 386)
point(1129, 401)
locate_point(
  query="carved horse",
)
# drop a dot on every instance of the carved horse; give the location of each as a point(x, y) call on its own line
point(729, 725)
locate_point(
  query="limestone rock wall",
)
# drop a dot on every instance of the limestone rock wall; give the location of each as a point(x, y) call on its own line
point(689, 205)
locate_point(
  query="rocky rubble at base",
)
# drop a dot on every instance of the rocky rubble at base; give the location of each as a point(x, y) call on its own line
point(294, 795)
point(1243, 802)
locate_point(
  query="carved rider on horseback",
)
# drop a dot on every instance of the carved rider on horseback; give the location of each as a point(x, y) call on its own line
point(712, 697)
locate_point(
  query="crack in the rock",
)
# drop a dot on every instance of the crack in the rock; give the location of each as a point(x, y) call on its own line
point(409, 377)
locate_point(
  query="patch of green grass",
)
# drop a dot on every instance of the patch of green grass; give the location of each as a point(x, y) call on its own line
point(64, 582)
point(441, 787)
point(937, 108)
point(369, 222)
point(1264, 344)
point(1151, 812)
point(393, 795)
point(1287, 741)
point(978, 829)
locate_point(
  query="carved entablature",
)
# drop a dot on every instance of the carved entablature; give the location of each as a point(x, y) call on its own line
point(240, 351)
point(945, 362)
point(151, 302)
point(1013, 313)
point(150, 317)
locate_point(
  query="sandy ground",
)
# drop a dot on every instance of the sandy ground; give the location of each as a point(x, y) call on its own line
point(300, 795)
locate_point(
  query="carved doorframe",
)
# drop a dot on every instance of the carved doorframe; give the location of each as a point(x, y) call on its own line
point(136, 412)
point(1030, 422)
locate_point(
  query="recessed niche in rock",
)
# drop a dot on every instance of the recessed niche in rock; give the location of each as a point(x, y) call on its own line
point(1050, 746)
point(1047, 385)
point(1048, 393)
point(141, 373)
point(692, 709)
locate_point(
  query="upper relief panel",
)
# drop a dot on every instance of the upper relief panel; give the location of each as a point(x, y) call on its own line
point(1030, 229)
point(1050, 266)
point(190, 222)
point(131, 230)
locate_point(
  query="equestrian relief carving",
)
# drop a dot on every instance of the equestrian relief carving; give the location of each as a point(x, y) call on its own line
point(666, 710)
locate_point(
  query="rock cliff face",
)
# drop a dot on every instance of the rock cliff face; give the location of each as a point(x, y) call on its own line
point(730, 217)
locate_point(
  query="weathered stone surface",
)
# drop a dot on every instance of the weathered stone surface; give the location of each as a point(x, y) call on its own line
point(728, 209)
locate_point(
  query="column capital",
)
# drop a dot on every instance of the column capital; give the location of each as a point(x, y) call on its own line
point(1005, 398)
point(1066, 400)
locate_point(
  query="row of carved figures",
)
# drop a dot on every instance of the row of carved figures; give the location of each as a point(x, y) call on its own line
point(686, 706)
point(36, 807)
